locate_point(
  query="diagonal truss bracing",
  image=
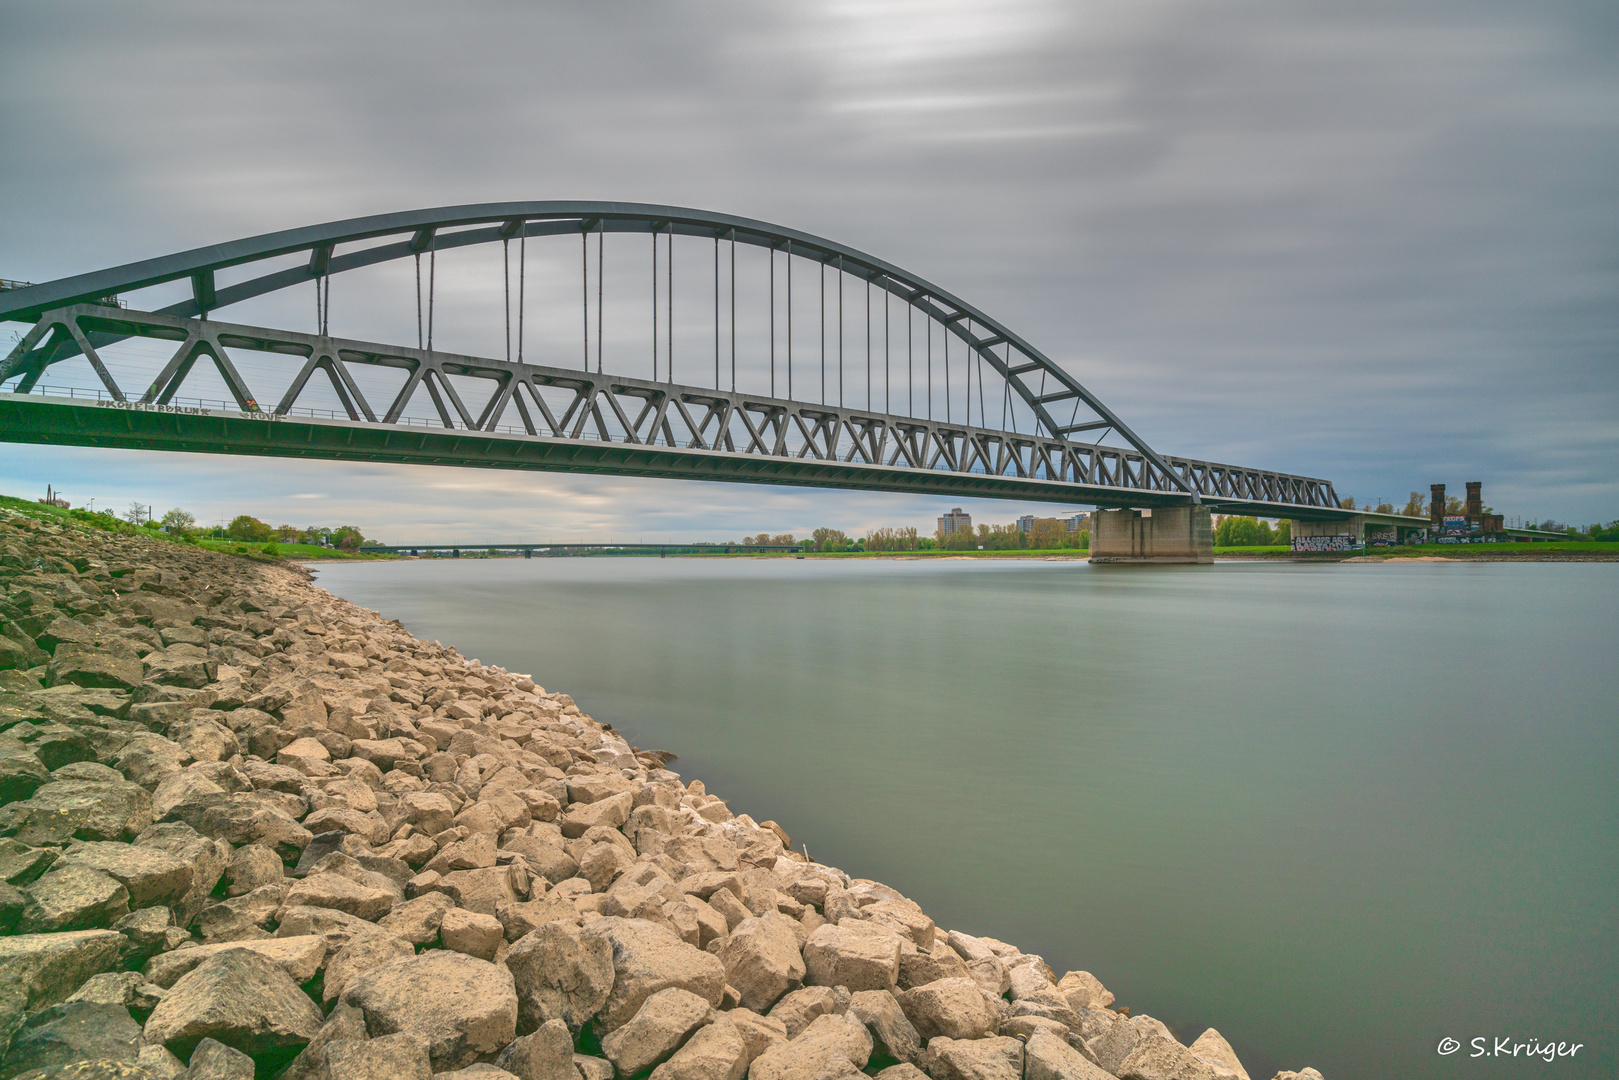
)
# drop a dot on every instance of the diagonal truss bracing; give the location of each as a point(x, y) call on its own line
point(550, 403)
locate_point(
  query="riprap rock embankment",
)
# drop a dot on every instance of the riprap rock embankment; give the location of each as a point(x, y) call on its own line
point(252, 829)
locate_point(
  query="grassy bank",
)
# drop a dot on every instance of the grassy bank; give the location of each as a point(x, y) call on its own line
point(1550, 550)
point(111, 523)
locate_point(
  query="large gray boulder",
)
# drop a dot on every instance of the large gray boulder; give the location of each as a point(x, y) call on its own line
point(763, 959)
point(461, 1006)
point(648, 958)
point(241, 999)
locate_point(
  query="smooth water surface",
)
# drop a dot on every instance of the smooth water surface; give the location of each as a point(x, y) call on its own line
point(1338, 812)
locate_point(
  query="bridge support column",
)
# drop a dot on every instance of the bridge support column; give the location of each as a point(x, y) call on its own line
point(1175, 534)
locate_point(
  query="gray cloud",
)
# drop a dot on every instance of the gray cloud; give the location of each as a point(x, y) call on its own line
point(1374, 242)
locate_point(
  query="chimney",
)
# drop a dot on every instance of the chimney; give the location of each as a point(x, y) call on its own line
point(1436, 505)
point(1475, 501)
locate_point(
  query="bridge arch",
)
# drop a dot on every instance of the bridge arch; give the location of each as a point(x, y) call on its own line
point(1041, 384)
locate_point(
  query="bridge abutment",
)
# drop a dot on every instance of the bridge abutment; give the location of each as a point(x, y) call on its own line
point(1167, 535)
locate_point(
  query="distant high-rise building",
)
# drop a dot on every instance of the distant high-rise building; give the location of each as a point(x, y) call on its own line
point(957, 520)
point(1078, 522)
point(1026, 523)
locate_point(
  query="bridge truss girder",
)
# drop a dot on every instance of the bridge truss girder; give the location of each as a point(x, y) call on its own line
point(1038, 382)
point(576, 420)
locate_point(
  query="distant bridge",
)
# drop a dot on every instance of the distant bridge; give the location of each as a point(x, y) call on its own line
point(981, 412)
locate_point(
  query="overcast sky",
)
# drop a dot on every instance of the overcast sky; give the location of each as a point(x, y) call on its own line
point(1375, 242)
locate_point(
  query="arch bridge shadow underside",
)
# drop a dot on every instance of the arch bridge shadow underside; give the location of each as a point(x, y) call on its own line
point(569, 420)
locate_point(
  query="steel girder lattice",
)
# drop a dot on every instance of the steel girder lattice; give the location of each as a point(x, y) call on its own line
point(549, 403)
point(557, 403)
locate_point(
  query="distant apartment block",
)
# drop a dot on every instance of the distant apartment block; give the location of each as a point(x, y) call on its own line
point(1078, 522)
point(1025, 524)
point(957, 520)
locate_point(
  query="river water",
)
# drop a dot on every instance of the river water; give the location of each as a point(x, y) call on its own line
point(1338, 812)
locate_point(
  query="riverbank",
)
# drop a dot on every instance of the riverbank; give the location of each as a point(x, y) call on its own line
point(244, 816)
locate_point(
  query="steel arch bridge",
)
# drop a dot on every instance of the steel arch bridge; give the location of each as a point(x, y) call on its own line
point(510, 413)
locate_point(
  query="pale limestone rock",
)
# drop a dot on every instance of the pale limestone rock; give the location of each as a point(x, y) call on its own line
point(716, 1052)
point(941, 962)
point(762, 959)
point(251, 867)
point(300, 957)
point(610, 812)
point(73, 898)
point(834, 1045)
point(1047, 1056)
point(1212, 1048)
point(461, 1006)
point(995, 1058)
point(486, 890)
point(151, 877)
point(759, 1033)
point(657, 1029)
point(417, 921)
point(853, 954)
point(982, 963)
point(953, 1008)
point(648, 958)
point(241, 999)
point(892, 1033)
point(547, 1054)
point(904, 917)
point(471, 933)
point(400, 1056)
point(902, 1071)
point(345, 1023)
point(361, 954)
point(339, 893)
point(1084, 991)
point(799, 1009)
point(560, 973)
point(213, 1060)
point(529, 915)
point(1160, 1057)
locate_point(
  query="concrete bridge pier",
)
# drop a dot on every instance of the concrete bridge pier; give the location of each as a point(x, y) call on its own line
point(1174, 534)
